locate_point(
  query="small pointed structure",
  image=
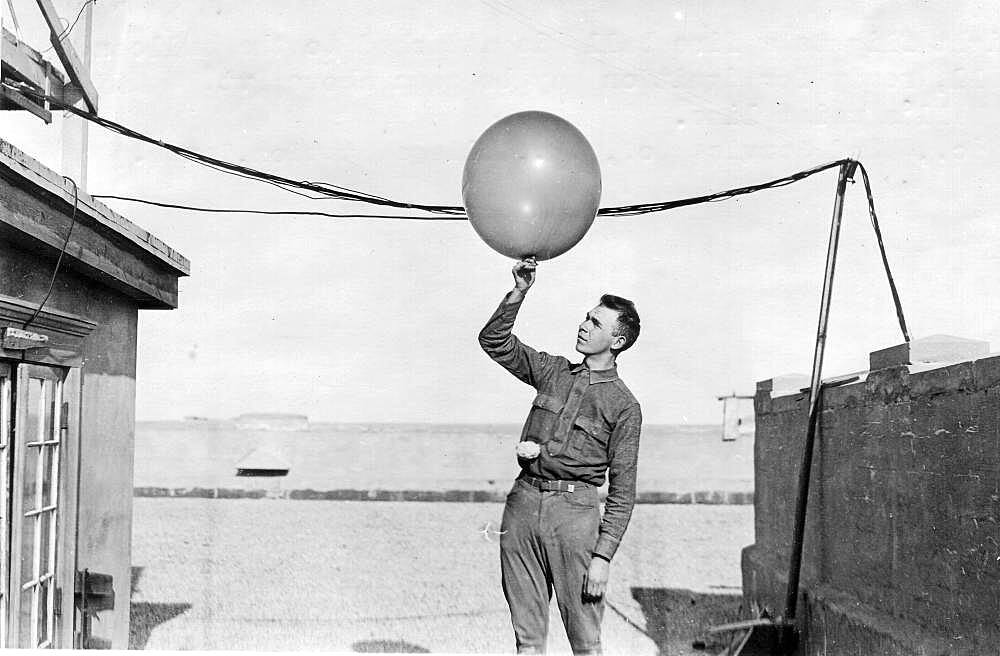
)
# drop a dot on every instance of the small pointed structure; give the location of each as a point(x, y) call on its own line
point(267, 460)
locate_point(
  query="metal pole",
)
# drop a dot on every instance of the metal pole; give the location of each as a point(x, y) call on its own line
point(792, 596)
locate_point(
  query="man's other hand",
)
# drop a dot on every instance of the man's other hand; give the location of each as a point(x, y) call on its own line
point(524, 274)
point(596, 582)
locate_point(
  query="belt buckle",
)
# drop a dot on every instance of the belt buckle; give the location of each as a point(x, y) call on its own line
point(570, 487)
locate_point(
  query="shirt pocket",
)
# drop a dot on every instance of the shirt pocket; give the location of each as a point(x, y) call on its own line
point(541, 423)
point(589, 442)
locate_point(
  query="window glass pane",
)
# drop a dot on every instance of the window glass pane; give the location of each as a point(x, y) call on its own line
point(29, 478)
point(49, 454)
point(36, 409)
point(24, 621)
point(28, 549)
point(32, 429)
point(45, 519)
point(46, 410)
point(43, 612)
point(50, 411)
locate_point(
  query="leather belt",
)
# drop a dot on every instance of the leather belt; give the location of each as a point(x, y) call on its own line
point(553, 486)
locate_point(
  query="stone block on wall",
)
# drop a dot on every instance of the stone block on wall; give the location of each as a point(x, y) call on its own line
point(936, 348)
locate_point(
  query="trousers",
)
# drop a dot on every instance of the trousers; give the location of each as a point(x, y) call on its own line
point(546, 543)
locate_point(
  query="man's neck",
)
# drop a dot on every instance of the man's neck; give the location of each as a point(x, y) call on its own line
point(599, 361)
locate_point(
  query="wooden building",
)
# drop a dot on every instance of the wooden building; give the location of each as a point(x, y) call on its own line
point(67, 404)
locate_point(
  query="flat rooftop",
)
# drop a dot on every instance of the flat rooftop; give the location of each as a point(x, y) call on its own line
point(36, 207)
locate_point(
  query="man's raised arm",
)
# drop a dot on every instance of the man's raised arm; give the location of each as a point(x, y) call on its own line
point(497, 339)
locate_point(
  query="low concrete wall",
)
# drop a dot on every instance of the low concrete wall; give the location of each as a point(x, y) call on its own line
point(420, 462)
point(902, 543)
point(713, 497)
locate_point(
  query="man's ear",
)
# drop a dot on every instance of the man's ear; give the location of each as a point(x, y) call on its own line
point(617, 342)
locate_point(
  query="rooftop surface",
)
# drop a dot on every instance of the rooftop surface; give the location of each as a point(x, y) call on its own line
point(14, 163)
point(42, 212)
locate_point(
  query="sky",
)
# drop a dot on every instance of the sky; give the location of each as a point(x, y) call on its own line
point(376, 320)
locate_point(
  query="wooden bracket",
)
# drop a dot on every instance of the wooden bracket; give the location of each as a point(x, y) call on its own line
point(15, 339)
point(78, 72)
point(22, 63)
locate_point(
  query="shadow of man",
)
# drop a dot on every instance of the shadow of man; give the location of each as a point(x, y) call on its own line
point(675, 618)
point(145, 616)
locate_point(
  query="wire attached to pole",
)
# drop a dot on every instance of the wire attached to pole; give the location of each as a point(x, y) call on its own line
point(439, 212)
point(881, 248)
point(326, 190)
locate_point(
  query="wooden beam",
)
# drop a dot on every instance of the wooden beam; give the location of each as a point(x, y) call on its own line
point(16, 311)
point(23, 63)
point(22, 101)
point(76, 129)
point(35, 225)
point(77, 70)
point(27, 170)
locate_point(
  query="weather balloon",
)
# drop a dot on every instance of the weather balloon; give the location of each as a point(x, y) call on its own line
point(531, 185)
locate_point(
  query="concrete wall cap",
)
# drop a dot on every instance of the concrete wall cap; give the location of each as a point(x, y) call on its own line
point(935, 348)
point(783, 384)
point(796, 384)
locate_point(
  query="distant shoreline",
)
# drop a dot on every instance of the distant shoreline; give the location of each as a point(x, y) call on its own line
point(201, 421)
point(687, 463)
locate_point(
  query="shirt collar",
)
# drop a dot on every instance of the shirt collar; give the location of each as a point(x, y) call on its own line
point(602, 376)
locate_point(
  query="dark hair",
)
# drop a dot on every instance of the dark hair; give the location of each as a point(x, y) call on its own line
point(628, 319)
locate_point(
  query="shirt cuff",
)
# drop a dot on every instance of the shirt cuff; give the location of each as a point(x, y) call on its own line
point(606, 547)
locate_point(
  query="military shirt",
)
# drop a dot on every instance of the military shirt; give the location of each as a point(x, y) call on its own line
point(586, 422)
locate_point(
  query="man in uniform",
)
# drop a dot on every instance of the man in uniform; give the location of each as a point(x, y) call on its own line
point(583, 423)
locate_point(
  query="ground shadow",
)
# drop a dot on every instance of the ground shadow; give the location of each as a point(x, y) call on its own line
point(388, 647)
point(146, 616)
point(676, 618)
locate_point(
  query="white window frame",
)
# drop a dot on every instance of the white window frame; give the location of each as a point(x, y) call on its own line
point(42, 581)
point(6, 409)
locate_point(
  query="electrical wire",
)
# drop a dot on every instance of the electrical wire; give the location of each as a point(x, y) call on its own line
point(631, 210)
point(722, 195)
point(62, 36)
point(440, 212)
point(218, 210)
point(327, 191)
point(62, 252)
point(881, 248)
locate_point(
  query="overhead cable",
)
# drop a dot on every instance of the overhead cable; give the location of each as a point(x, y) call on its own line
point(324, 190)
point(438, 212)
point(881, 249)
point(330, 191)
point(219, 210)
